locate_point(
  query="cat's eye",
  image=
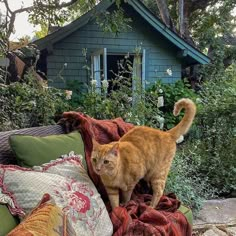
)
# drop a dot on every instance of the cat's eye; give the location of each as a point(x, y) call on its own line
point(106, 162)
point(94, 160)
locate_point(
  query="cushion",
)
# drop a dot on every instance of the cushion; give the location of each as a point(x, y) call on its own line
point(46, 219)
point(31, 150)
point(8, 221)
point(67, 182)
point(187, 212)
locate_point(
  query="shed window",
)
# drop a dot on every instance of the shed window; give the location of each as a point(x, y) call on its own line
point(114, 67)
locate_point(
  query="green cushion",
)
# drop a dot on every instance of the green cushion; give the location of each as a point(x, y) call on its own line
point(8, 221)
point(31, 150)
point(187, 212)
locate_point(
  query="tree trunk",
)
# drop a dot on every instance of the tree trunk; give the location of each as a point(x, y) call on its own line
point(164, 12)
point(181, 18)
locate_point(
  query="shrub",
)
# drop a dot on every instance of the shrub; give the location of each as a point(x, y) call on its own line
point(185, 178)
point(137, 107)
point(29, 104)
point(172, 93)
point(216, 122)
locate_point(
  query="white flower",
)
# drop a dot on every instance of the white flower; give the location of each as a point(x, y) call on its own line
point(161, 121)
point(129, 114)
point(127, 56)
point(105, 84)
point(160, 101)
point(198, 100)
point(33, 103)
point(169, 72)
point(94, 82)
point(160, 91)
point(68, 94)
point(130, 99)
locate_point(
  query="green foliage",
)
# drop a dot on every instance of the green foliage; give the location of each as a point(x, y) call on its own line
point(172, 93)
point(114, 22)
point(42, 32)
point(216, 122)
point(29, 104)
point(137, 106)
point(185, 178)
point(208, 28)
point(51, 13)
point(79, 91)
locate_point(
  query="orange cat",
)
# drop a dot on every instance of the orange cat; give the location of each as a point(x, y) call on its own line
point(142, 152)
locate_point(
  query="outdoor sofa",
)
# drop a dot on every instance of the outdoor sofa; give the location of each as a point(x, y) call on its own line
point(171, 217)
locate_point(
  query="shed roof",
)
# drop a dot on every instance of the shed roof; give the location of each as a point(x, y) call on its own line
point(191, 54)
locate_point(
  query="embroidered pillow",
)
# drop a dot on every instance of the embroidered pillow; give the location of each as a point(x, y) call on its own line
point(46, 219)
point(69, 185)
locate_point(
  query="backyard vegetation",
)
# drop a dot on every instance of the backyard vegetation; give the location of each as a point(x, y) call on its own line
point(204, 166)
point(205, 163)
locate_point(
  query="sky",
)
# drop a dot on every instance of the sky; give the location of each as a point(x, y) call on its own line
point(22, 26)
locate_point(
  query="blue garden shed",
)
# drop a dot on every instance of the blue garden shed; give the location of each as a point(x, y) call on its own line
point(82, 51)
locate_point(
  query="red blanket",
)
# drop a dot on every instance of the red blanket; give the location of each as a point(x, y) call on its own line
point(136, 217)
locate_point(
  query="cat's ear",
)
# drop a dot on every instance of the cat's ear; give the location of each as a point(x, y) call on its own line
point(115, 149)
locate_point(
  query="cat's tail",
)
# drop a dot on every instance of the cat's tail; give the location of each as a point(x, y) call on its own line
point(184, 125)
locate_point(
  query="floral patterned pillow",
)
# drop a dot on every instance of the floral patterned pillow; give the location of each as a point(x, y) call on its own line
point(68, 184)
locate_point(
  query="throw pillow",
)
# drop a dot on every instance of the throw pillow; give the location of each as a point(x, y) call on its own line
point(46, 219)
point(8, 221)
point(69, 185)
point(31, 150)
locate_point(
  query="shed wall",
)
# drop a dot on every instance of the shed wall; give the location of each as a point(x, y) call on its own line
point(160, 54)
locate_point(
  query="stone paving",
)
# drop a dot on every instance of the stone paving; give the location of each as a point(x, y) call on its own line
point(217, 218)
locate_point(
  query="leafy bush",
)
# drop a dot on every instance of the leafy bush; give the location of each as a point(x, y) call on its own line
point(205, 166)
point(185, 178)
point(216, 122)
point(29, 104)
point(137, 107)
point(172, 93)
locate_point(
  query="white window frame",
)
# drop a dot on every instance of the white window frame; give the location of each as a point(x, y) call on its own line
point(96, 67)
point(97, 71)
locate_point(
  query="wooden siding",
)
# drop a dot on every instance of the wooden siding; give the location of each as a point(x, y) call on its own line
point(160, 54)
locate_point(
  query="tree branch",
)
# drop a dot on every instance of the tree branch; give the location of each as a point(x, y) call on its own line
point(57, 6)
point(165, 14)
point(23, 9)
point(66, 4)
point(164, 11)
point(7, 6)
point(229, 40)
point(181, 18)
point(13, 14)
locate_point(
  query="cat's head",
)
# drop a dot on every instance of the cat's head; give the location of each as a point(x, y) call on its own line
point(104, 158)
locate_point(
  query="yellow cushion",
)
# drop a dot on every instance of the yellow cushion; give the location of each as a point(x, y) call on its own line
point(46, 219)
